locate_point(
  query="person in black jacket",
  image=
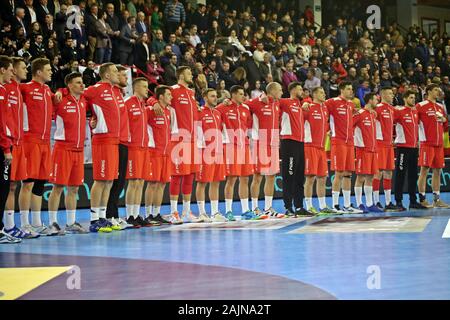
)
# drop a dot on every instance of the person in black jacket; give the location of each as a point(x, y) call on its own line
point(90, 77)
point(142, 52)
point(114, 22)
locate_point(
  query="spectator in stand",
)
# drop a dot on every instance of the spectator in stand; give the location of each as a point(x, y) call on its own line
point(141, 25)
point(37, 48)
point(68, 52)
point(142, 52)
point(212, 77)
point(103, 42)
point(158, 43)
point(90, 77)
point(363, 89)
point(170, 72)
point(311, 81)
point(128, 37)
point(175, 15)
point(201, 20)
point(156, 21)
point(154, 69)
point(194, 39)
point(289, 75)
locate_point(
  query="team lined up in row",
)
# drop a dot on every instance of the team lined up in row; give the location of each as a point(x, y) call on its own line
point(169, 138)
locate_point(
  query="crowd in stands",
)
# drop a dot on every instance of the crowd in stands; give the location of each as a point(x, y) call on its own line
point(224, 46)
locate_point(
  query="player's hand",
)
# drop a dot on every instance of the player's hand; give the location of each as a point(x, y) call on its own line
point(158, 110)
point(8, 159)
point(226, 102)
point(305, 106)
point(58, 97)
point(93, 123)
point(264, 98)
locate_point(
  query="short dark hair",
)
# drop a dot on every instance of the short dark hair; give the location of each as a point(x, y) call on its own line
point(409, 92)
point(386, 88)
point(344, 84)
point(104, 68)
point(206, 91)
point(16, 61)
point(120, 67)
point(5, 62)
point(234, 89)
point(38, 65)
point(161, 90)
point(68, 79)
point(314, 90)
point(431, 86)
point(293, 85)
point(140, 79)
point(181, 70)
point(369, 96)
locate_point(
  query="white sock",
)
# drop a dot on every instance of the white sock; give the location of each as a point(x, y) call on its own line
point(308, 203)
point(129, 210)
point(148, 211)
point(387, 196)
point(9, 219)
point(228, 205)
point(214, 207)
point(335, 198)
point(136, 210)
point(346, 198)
point(376, 196)
point(254, 203)
point(156, 211)
point(95, 214)
point(244, 205)
point(201, 207)
point(52, 217)
point(36, 218)
point(24, 218)
point(267, 202)
point(173, 206)
point(70, 217)
point(186, 207)
point(102, 213)
point(368, 190)
point(358, 196)
point(322, 203)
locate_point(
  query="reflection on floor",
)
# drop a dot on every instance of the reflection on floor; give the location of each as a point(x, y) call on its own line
point(378, 256)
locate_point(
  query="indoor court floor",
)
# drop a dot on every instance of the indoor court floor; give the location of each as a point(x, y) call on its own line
point(374, 256)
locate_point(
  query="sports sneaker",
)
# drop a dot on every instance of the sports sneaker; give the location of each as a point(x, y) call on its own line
point(327, 211)
point(391, 207)
point(203, 217)
point(7, 239)
point(274, 214)
point(339, 210)
point(55, 226)
point(438, 203)
point(43, 230)
point(259, 214)
point(29, 229)
point(302, 212)
point(230, 216)
point(374, 209)
point(190, 217)
point(175, 218)
point(98, 226)
point(379, 206)
point(21, 234)
point(400, 207)
point(123, 224)
point(115, 225)
point(76, 228)
point(289, 213)
point(426, 204)
point(313, 210)
point(417, 205)
point(150, 222)
point(131, 221)
point(351, 210)
point(161, 220)
point(218, 217)
point(363, 208)
point(248, 215)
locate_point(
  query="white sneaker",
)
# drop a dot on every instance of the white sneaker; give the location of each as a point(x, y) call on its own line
point(123, 224)
point(351, 210)
point(203, 217)
point(55, 227)
point(29, 229)
point(190, 218)
point(218, 217)
point(43, 230)
point(175, 218)
point(8, 239)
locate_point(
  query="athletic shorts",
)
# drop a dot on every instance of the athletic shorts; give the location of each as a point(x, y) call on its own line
point(136, 165)
point(39, 160)
point(366, 162)
point(315, 161)
point(342, 157)
point(105, 161)
point(186, 158)
point(238, 161)
point(161, 168)
point(212, 172)
point(431, 157)
point(386, 157)
point(267, 159)
point(67, 167)
point(19, 164)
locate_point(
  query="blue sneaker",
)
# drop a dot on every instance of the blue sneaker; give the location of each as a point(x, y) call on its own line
point(249, 215)
point(21, 234)
point(364, 208)
point(99, 226)
point(230, 216)
point(375, 209)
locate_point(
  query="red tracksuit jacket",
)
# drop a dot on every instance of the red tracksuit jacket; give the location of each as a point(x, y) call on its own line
point(406, 122)
point(364, 123)
point(211, 129)
point(431, 132)
point(265, 121)
point(236, 123)
point(160, 129)
point(137, 118)
point(15, 119)
point(341, 120)
point(292, 119)
point(385, 124)
point(316, 125)
point(5, 141)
